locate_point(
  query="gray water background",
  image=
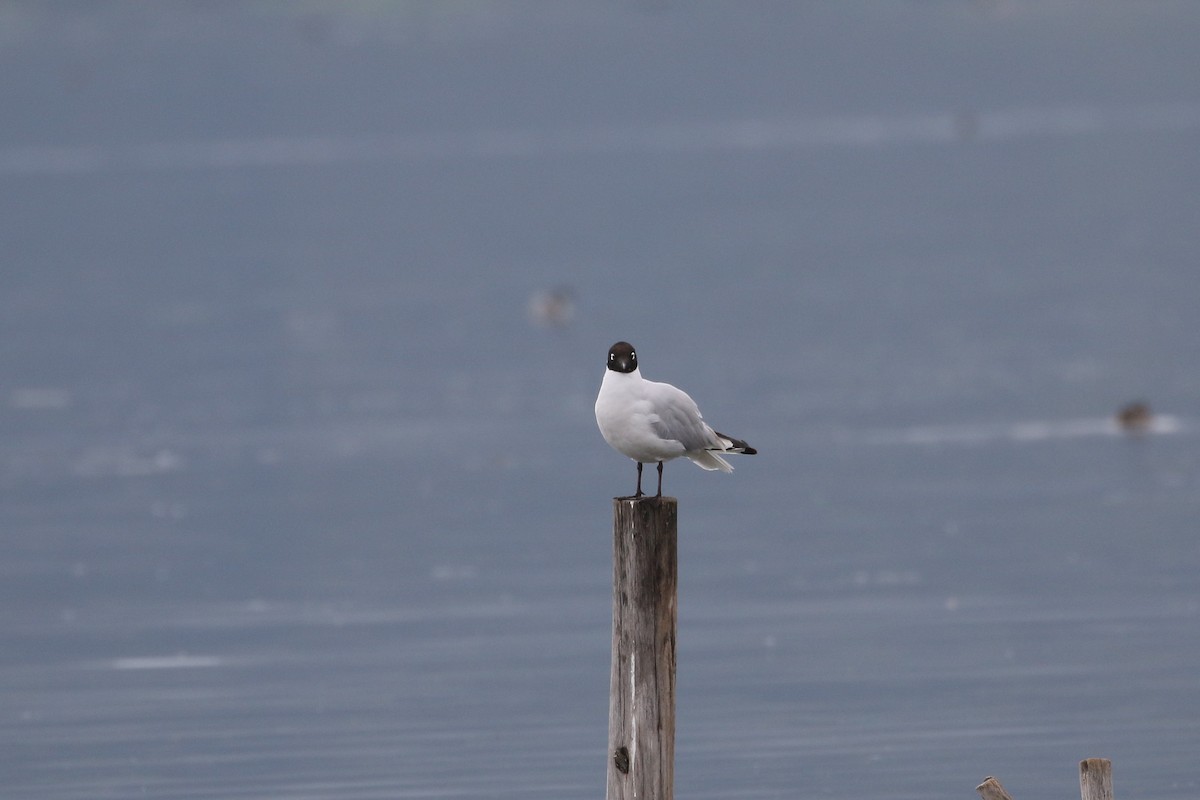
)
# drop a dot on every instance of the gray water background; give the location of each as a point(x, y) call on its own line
point(298, 501)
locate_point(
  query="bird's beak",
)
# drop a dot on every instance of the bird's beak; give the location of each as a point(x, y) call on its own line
point(624, 364)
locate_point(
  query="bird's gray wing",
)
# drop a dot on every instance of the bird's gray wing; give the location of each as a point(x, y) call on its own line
point(676, 416)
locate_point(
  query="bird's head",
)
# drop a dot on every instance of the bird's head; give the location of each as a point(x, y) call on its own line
point(622, 357)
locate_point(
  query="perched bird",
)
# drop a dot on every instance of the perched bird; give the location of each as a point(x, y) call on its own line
point(655, 422)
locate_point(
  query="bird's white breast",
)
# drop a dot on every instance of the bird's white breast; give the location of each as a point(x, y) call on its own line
point(625, 415)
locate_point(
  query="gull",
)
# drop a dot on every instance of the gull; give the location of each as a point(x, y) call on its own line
point(653, 422)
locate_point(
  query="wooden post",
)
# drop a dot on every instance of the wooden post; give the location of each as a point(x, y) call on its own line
point(1095, 779)
point(641, 705)
point(991, 789)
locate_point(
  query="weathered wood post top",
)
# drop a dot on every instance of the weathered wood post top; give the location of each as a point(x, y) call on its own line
point(641, 712)
point(1095, 779)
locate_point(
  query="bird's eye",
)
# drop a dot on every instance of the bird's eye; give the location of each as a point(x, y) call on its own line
point(611, 356)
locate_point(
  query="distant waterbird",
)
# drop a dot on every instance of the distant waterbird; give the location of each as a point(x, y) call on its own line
point(1135, 417)
point(653, 422)
point(552, 308)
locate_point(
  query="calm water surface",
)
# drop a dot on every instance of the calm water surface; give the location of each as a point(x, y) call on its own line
point(298, 501)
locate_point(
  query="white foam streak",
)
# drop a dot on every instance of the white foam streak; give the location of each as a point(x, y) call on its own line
point(177, 661)
point(1020, 432)
point(753, 134)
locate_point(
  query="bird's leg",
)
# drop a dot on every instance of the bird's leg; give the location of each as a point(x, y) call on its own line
point(659, 480)
point(639, 489)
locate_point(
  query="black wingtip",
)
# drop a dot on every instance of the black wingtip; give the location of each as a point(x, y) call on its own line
point(737, 445)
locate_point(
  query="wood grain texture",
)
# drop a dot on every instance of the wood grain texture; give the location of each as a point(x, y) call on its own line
point(991, 789)
point(641, 720)
point(1095, 779)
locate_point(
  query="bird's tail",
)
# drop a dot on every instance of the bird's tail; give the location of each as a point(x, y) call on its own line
point(707, 459)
